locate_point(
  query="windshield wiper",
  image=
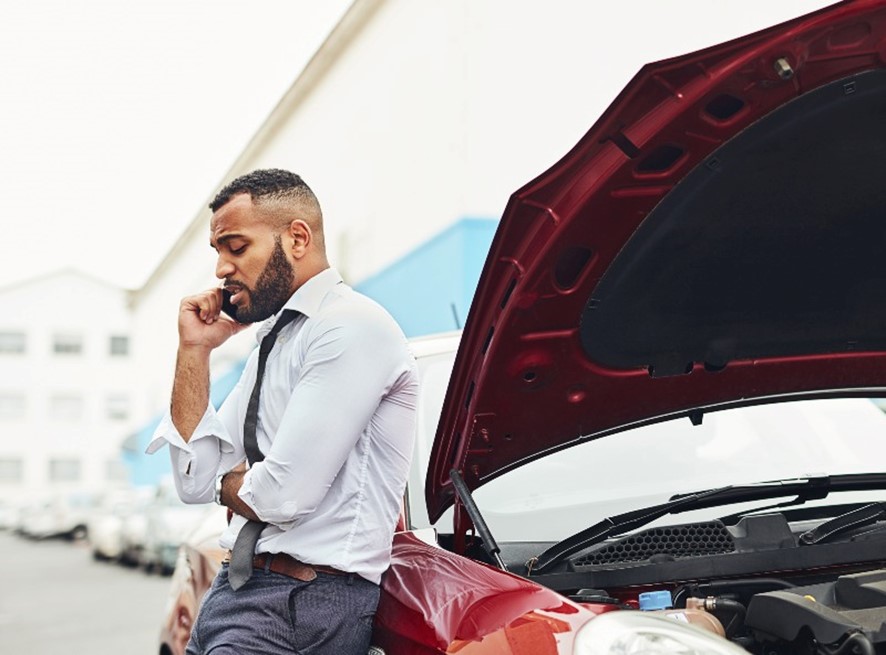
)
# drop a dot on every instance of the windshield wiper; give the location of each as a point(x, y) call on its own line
point(805, 489)
point(856, 518)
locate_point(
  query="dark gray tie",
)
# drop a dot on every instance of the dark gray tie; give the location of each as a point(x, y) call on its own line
point(240, 569)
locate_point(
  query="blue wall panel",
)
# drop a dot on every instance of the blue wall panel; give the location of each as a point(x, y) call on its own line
point(431, 288)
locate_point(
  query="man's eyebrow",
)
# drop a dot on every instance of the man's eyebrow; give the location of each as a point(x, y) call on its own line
point(222, 240)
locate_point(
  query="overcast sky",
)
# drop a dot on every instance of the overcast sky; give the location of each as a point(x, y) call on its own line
point(118, 118)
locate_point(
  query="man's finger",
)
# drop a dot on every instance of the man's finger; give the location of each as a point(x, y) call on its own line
point(206, 305)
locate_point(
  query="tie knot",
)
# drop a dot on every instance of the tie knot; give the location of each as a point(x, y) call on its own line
point(285, 319)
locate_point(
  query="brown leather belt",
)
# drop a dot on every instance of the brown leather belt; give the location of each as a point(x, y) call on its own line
point(289, 566)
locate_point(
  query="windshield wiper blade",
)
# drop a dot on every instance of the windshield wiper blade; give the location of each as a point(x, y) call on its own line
point(805, 489)
point(857, 518)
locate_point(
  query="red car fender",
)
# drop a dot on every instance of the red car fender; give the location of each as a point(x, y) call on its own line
point(433, 601)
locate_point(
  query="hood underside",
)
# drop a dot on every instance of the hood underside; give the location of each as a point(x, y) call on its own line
point(718, 237)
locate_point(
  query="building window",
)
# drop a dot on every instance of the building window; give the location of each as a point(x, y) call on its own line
point(11, 470)
point(64, 470)
point(67, 344)
point(118, 407)
point(12, 406)
point(66, 407)
point(119, 346)
point(12, 343)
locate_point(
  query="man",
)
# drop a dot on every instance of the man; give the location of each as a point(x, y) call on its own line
point(324, 420)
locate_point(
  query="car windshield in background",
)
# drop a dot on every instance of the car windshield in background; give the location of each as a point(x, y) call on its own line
point(565, 492)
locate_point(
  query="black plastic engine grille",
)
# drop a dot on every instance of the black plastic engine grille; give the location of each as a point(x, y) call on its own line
point(694, 540)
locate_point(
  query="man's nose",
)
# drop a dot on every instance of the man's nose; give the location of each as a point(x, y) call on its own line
point(223, 268)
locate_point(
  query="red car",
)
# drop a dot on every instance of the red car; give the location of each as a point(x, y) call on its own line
point(662, 432)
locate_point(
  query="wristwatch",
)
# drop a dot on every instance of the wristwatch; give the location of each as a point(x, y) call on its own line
point(218, 488)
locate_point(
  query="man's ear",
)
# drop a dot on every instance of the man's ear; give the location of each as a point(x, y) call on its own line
point(302, 237)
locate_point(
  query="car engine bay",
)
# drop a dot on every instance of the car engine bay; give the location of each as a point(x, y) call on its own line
point(775, 586)
point(777, 583)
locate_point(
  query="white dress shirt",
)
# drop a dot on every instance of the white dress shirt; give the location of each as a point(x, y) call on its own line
point(336, 423)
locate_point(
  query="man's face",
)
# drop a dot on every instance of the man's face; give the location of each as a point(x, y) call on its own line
point(251, 260)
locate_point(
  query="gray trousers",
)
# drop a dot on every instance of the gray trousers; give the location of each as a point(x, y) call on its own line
point(273, 613)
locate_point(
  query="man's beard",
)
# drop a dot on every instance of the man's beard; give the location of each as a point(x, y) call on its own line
point(272, 289)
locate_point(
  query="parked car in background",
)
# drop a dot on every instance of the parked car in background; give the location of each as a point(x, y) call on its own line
point(659, 434)
point(134, 535)
point(105, 525)
point(8, 515)
point(62, 514)
point(168, 521)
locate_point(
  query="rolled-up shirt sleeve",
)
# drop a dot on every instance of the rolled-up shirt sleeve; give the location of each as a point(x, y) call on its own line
point(347, 368)
point(211, 449)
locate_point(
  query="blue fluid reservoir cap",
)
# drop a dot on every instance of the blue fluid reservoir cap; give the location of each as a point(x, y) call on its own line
point(656, 600)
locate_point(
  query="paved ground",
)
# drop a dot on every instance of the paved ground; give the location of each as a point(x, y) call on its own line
point(54, 599)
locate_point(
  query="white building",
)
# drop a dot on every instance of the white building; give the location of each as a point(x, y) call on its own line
point(67, 393)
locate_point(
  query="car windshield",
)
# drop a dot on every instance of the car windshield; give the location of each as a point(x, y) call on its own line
point(565, 492)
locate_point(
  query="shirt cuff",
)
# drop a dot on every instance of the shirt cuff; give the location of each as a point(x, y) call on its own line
point(280, 517)
point(209, 426)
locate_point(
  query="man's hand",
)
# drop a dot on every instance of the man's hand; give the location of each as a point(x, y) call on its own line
point(201, 324)
point(201, 328)
point(231, 483)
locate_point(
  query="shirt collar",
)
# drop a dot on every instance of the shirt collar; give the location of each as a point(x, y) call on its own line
point(306, 299)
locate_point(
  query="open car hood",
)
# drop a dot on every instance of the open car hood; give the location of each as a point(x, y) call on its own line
point(718, 237)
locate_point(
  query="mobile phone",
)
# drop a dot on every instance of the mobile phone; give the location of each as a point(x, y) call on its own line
point(228, 307)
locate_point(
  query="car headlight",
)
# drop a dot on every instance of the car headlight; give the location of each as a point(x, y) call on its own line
point(640, 633)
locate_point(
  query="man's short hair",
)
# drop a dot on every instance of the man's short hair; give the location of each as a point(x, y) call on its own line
point(269, 184)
